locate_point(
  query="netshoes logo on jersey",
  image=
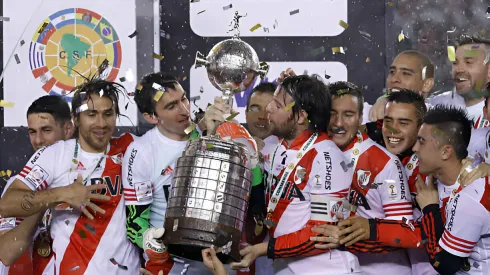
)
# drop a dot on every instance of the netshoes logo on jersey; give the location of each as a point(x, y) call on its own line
point(450, 213)
point(71, 42)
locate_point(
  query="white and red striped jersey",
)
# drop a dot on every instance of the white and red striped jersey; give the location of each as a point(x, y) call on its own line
point(81, 245)
point(318, 174)
point(452, 98)
point(480, 144)
point(467, 225)
point(379, 189)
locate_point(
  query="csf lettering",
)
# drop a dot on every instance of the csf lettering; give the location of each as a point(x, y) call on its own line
point(114, 188)
point(402, 181)
point(328, 171)
point(130, 166)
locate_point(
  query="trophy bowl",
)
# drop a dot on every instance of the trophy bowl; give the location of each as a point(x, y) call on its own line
point(208, 201)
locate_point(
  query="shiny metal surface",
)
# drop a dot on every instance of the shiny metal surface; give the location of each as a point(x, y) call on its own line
point(208, 199)
point(229, 63)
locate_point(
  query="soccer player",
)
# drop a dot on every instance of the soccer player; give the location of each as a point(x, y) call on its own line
point(480, 138)
point(95, 242)
point(304, 175)
point(256, 114)
point(455, 226)
point(471, 72)
point(410, 70)
point(48, 120)
point(379, 186)
point(149, 164)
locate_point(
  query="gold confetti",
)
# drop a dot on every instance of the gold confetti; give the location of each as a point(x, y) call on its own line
point(483, 32)
point(343, 24)
point(139, 87)
point(255, 27)
point(478, 85)
point(185, 77)
point(289, 106)
point(470, 53)
point(157, 96)
point(9, 173)
point(451, 53)
point(157, 56)
point(232, 116)
point(436, 263)
point(368, 60)
point(401, 36)
point(4, 103)
point(209, 146)
point(189, 129)
point(392, 130)
point(390, 4)
point(338, 50)
point(2, 173)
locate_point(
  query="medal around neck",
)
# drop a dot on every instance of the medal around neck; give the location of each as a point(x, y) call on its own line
point(231, 65)
point(208, 201)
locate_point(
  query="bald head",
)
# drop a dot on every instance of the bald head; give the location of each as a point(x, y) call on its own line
point(424, 62)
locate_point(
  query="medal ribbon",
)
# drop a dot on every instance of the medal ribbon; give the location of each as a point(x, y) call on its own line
point(276, 195)
point(75, 161)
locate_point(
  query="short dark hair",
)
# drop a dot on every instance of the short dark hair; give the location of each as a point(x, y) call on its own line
point(410, 97)
point(311, 95)
point(145, 92)
point(467, 39)
point(53, 105)
point(424, 60)
point(454, 125)
point(264, 87)
point(100, 87)
point(341, 88)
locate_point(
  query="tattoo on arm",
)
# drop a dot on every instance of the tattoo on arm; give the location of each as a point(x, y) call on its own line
point(26, 203)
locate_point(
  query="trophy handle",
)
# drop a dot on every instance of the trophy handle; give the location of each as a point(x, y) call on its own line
point(263, 70)
point(200, 60)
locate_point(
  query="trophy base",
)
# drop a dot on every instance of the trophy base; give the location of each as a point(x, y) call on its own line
point(193, 235)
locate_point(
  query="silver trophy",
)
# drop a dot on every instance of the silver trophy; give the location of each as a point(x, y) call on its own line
point(208, 200)
point(232, 66)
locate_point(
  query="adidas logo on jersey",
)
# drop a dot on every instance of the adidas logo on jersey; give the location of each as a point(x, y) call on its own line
point(167, 171)
point(80, 167)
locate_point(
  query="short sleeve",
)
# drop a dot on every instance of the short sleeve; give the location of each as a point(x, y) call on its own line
point(464, 225)
point(136, 175)
point(39, 172)
point(9, 223)
point(394, 191)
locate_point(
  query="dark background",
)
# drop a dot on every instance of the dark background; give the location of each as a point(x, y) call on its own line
point(372, 33)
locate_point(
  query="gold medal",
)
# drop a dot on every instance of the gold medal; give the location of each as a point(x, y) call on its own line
point(291, 166)
point(356, 152)
point(259, 228)
point(299, 155)
point(43, 245)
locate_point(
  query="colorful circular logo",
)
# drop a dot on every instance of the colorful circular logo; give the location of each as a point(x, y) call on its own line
point(69, 46)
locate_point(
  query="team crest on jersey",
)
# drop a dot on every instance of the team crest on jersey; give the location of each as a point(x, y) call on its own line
point(7, 223)
point(37, 176)
point(335, 208)
point(167, 171)
point(299, 175)
point(144, 191)
point(363, 177)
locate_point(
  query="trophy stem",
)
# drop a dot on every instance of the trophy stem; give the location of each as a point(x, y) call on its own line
point(228, 99)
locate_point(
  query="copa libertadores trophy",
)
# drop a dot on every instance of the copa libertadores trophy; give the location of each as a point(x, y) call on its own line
point(212, 180)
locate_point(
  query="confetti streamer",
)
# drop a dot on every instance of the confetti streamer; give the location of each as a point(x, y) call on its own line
point(471, 53)
point(9, 173)
point(82, 234)
point(139, 87)
point(17, 59)
point(4, 19)
point(194, 1)
point(194, 98)
point(157, 56)
point(4, 104)
point(401, 36)
point(209, 146)
point(67, 222)
point(127, 104)
point(343, 24)
point(232, 116)
point(133, 34)
point(294, 12)
point(318, 51)
point(424, 70)
point(327, 76)
point(122, 79)
point(478, 85)
point(227, 7)
point(90, 228)
point(255, 27)
point(451, 53)
point(289, 106)
point(266, 29)
point(75, 268)
point(392, 130)
point(22, 42)
point(201, 90)
point(338, 50)
point(201, 11)
point(189, 129)
point(368, 60)
point(275, 24)
point(390, 4)
point(157, 96)
point(184, 78)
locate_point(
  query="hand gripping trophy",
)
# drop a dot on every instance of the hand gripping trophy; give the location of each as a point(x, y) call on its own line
point(212, 180)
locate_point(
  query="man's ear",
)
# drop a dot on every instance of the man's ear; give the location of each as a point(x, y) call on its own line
point(446, 151)
point(427, 86)
point(151, 118)
point(68, 129)
point(303, 118)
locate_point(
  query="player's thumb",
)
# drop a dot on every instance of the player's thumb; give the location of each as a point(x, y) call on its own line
point(158, 233)
point(79, 179)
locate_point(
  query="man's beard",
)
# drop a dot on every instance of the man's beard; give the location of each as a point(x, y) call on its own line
point(286, 130)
